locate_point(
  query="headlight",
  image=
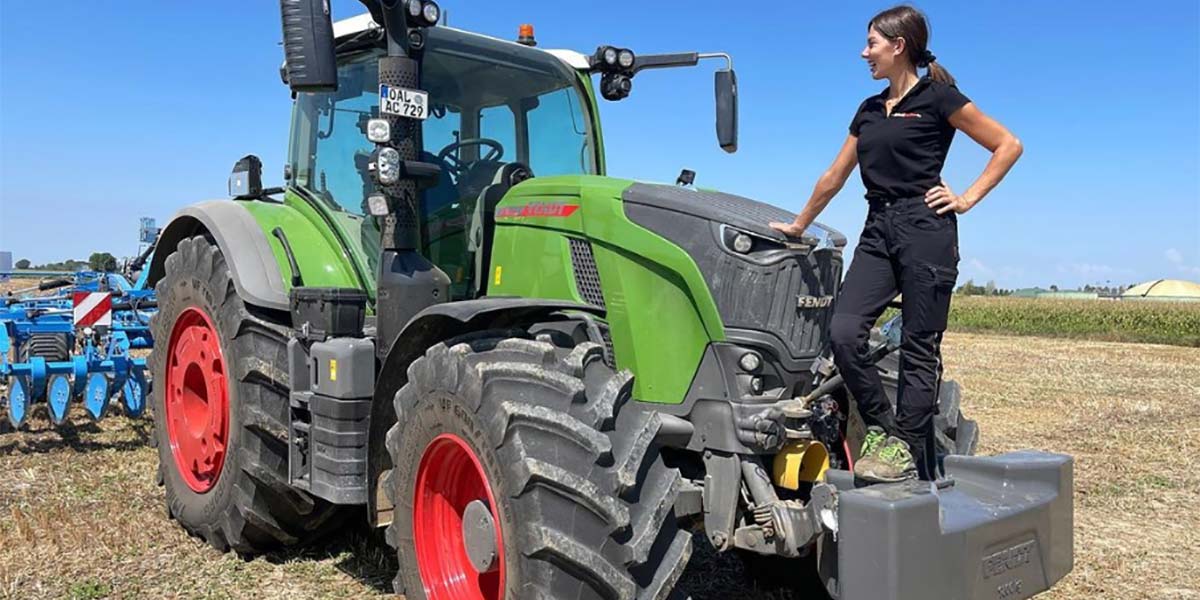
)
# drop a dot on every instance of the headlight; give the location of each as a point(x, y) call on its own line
point(431, 12)
point(414, 8)
point(742, 243)
point(625, 59)
point(750, 362)
point(610, 56)
point(387, 166)
point(379, 131)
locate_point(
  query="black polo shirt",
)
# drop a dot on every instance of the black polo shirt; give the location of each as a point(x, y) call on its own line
point(902, 155)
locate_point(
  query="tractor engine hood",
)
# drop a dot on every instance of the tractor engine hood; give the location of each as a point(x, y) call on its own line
point(750, 216)
point(766, 290)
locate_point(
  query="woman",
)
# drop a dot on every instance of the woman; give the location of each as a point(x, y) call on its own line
point(909, 244)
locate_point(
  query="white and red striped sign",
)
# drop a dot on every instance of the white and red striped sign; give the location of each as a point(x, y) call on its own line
point(92, 308)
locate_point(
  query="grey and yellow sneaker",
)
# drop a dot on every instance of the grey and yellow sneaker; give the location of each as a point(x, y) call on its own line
point(890, 462)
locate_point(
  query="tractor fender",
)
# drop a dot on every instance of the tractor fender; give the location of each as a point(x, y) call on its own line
point(240, 238)
point(430, 326)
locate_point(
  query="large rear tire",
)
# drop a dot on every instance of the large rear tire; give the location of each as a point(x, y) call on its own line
point(579, 500)
point(953, 431)
point(220, 411)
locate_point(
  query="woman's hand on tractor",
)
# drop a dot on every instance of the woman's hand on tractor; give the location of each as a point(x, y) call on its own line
point(943, 200)
point(793, 229)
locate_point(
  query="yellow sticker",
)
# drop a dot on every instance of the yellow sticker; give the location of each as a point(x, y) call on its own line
point(333, 369)
point(498, 269)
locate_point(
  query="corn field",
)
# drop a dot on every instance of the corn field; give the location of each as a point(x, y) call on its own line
point(1155, 322)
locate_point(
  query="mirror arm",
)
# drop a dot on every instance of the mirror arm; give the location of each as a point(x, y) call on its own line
point(664, 61)
point(680, 59)
point(727, 57)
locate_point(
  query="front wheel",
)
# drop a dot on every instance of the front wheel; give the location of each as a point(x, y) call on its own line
point(517, 475)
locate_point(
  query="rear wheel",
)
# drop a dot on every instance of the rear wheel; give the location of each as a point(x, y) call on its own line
point(517, 475)
point(954, 433)
point(220, 411)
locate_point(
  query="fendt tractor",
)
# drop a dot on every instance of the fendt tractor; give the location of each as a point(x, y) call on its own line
point(543, 382)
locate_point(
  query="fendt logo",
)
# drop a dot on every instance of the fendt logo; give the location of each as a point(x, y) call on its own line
point(814, 301)
point(1007, 559)
point(537, 209)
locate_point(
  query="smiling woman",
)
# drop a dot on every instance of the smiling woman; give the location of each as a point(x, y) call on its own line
point(909, 244)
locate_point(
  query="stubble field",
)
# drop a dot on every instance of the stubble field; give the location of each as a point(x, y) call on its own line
point(81, 516)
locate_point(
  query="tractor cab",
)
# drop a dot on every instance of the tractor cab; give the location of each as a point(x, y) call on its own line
point(499, 113)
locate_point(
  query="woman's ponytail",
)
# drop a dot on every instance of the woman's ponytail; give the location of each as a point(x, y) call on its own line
point(909, 23)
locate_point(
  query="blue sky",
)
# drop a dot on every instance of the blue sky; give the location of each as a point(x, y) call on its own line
point(114, 110)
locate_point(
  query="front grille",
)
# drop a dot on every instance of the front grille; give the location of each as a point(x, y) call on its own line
point(765, 297)
point(587, 278)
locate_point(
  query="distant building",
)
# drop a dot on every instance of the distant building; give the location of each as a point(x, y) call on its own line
point(1032, 292)
point(1164, 289)
point(5, 265)
point(1036, 292)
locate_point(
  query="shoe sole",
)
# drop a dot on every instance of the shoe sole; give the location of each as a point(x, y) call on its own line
point(873, 478)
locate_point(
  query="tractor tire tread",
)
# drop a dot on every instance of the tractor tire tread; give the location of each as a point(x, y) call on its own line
point(549, 414)
point(262, 511)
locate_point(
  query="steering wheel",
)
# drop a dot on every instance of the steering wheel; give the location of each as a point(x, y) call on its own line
point(448, 157)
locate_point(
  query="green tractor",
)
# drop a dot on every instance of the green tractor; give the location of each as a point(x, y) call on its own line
point(541, 380)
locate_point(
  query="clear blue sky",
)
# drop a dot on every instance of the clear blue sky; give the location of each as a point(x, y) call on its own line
point(114, 110)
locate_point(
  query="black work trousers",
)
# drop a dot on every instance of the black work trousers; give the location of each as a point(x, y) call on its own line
point(906, 248)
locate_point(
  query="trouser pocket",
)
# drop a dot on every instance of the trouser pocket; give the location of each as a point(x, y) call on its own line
point(929, 307)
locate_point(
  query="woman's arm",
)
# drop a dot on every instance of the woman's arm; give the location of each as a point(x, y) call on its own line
point(828, 185)
point(1005, 149)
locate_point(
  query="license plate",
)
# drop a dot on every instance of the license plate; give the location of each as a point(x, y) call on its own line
point(402, 102)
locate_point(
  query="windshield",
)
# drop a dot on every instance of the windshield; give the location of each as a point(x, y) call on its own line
point(491, 103)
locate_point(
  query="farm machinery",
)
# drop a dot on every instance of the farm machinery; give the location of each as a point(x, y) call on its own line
point(541, 381)
point(73, 346)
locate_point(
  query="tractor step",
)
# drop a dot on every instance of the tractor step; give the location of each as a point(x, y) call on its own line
point(997, 527)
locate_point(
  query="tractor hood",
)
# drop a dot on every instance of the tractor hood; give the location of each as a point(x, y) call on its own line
point(776, 293)
point(750, 216)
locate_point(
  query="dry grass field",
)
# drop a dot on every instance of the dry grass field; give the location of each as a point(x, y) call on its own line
point(81, 516)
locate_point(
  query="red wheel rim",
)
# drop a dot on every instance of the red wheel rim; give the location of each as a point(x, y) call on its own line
point(448, 479)
point(197, 400)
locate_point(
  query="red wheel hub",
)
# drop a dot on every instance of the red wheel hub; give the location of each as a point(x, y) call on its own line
point(449, 478)
point(197, 400)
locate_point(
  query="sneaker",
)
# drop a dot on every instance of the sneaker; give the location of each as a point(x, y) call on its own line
point(874, 440)
point(891, 462)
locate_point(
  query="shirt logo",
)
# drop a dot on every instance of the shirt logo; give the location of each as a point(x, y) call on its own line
point(906, 115)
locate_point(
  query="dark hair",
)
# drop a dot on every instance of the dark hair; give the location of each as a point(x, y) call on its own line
point(909, 23)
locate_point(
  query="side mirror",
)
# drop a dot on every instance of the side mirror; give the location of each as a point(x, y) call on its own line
point(727, 110)
point(308, 45)
point(245, 183)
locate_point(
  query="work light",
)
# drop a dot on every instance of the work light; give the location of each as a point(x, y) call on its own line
point(379, 130)
point(431, 13)
point(387, 166)
point(625, 58)
point(610, 56)
point(377, 205)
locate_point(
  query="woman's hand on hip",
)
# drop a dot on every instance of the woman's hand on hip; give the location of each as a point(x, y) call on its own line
point(943, 200)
